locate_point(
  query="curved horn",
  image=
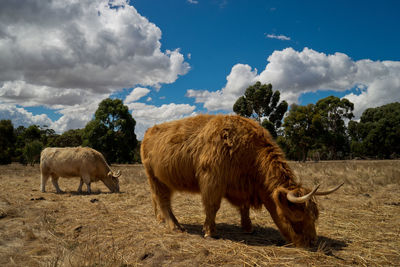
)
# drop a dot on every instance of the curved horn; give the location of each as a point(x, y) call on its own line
point(117, 174)
point(292, 198)
point(330, 191)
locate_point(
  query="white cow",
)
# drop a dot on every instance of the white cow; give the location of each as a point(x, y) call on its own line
point(83, 162)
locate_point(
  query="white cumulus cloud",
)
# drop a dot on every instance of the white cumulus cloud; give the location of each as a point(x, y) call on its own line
point(294, 73)
point(136, 94)
point(66, 55)
point(238, 80)
point(20, 116)
point(149, 115)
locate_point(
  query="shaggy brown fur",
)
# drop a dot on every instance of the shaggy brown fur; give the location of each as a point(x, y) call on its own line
point(228, 157)
point(83, 162)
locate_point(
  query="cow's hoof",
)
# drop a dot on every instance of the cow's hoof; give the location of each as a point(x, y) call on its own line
point(213, 236)
point(160, 218)
point(179, 229)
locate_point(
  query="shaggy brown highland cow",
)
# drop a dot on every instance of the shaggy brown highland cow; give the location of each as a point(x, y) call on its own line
point(223, 156)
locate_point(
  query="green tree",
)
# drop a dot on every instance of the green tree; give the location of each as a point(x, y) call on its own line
point(25, 141)
point(378, 132)
point(355, 139)
point(262, 104)
point(32, 151)
point(334, 112)
point(7, 140)
point(136, 153)
point(301, 127)
point(47, 135)
point(31, 133)
point(19, 144)
point(28, 140)
point(112, 132)
point(318, 128)
point(70, 138)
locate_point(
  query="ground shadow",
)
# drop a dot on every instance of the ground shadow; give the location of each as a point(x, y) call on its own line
point(328, 245)
point(85, 193)
point(261, 236)
point(264, 236)
point(97, 192)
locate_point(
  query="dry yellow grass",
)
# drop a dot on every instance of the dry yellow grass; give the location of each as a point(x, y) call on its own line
point(358, 225)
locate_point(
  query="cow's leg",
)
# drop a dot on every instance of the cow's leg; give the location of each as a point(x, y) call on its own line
point(161, 194)
point(158, 215)
point(88, 188)
point(43, 181)
point(54, 180)
point(86, 180)
point(80, 186)
point(211, 196)
point(245, 219)
point(150, 177)
point(149, 173)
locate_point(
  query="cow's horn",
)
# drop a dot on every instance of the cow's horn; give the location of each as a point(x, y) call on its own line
point(292, 198)
point(117, 174)
point(330, 191)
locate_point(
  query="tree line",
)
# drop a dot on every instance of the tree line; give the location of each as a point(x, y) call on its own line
point(112, 132)
point(325, 130)
point(321, 131)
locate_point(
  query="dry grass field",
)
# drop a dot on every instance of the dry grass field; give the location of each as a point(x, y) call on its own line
point(358, 225)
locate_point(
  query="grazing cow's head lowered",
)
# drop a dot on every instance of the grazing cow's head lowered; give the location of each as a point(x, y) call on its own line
point(112, 181)
point(227, 157)
point(297, 213)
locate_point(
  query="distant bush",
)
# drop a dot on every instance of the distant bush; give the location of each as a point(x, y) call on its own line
point(7, 140)
point(32, 151)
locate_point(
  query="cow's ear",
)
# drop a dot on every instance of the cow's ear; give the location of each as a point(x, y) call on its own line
point(291, 210)
point(279, 197)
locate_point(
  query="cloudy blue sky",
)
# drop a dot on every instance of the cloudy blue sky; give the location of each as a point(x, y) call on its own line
point(167, 59)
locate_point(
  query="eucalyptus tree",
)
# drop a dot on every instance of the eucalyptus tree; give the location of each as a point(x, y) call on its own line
point(112, 131)
point(262, 103)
